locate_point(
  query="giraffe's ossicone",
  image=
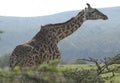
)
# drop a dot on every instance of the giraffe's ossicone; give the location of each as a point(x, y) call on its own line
point(43, 46)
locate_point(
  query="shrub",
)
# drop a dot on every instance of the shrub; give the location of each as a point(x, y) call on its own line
point(4, 60)
point(83, 76)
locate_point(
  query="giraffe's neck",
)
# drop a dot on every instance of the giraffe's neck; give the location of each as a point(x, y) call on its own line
point(61, 30)
point(71, 26)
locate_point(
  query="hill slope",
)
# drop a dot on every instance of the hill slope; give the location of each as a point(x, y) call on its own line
point(94, 39)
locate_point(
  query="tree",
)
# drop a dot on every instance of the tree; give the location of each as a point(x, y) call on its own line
point(104, 64)
point(1, 33)
point(116, 59)
point(78, 61)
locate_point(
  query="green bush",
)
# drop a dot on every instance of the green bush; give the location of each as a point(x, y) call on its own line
point(78, 61)
point(4, 60)
point(83, 76)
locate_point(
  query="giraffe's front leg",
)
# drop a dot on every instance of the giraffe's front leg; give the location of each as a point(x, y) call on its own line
point(56, 56)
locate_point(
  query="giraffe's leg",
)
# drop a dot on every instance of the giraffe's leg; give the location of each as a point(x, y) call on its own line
point(20, 53)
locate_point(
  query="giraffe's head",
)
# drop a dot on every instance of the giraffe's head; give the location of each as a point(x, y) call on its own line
point(93, 14)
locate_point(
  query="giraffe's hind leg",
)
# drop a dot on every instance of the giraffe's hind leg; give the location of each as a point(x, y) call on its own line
point(19, 54)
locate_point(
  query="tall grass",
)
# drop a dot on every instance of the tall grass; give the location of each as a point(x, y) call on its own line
point(50, 73)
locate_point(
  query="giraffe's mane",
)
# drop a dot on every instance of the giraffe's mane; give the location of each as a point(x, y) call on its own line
point(56, 24)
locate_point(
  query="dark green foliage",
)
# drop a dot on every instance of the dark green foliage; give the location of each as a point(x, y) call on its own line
point(1, 31)
point(64, 62)
point(32, 79)
point(116, 59)
point(83, 76)
point(4, 60)
point(78, 61)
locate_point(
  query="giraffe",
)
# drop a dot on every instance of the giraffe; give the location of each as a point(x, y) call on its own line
point(43, 46)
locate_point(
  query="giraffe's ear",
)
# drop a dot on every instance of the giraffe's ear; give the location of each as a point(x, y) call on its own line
point(89, 7)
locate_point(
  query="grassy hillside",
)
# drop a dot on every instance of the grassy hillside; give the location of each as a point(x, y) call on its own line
point(95, 38)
